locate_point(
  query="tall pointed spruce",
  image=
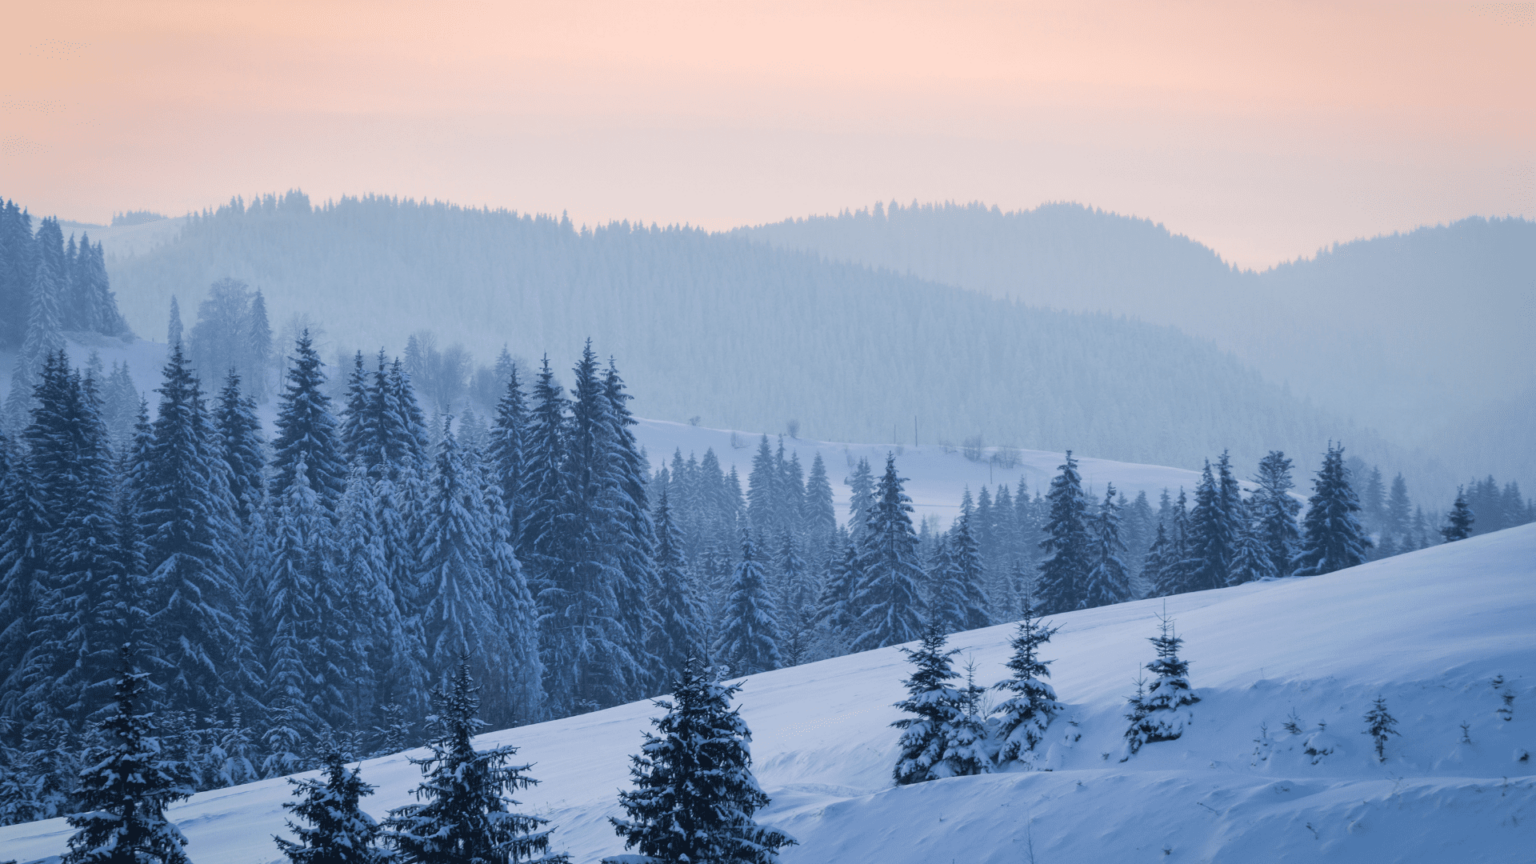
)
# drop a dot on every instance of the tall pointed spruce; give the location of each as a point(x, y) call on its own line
point(1334, 537)
point(1063, 573)
point(890, 608)
point(1031, 704)
point(749, 636)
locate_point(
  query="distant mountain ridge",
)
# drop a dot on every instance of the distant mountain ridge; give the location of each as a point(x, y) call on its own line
point(1411, 334)
point(745, 336)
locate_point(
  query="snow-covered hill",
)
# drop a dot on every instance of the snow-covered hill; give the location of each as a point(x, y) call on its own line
point(1429, 631)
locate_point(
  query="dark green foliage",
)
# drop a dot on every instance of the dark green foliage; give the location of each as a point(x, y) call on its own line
point(1062, 574)
point(1380, 725)
point(1459, 522)
point(1031, 703)
point(462, 816)
point(695, 796)
point(337, 831)
point(886, 597)
point(1334, 537)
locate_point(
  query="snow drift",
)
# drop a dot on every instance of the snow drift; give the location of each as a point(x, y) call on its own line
point(1431, 632)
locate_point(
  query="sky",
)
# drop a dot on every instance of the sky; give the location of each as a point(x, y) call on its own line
point(1265, 130)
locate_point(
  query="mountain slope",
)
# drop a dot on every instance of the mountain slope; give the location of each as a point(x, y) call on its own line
point(1398, 332)
point(745, 336)
point(1428, 631)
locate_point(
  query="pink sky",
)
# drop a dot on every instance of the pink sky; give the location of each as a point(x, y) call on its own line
point(1264, 130)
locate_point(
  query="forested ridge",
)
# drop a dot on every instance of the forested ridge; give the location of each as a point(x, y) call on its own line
point(735, 333)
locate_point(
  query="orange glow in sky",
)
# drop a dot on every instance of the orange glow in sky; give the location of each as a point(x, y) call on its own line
point(1262, 129)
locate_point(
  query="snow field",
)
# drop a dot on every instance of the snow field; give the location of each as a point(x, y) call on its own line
point(1430, 631)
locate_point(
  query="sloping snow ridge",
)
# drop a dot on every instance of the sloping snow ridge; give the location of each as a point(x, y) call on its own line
point(1430, 632)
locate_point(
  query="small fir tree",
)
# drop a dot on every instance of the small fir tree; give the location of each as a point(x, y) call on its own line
point(934, 704)
point(337, 830)
point(1161, 712)
point(1334, 538)
point(462, 817)
point(695, 796)
point(1380, 725)
point(1458, 525)
point(127, 784)
point(1031, 703)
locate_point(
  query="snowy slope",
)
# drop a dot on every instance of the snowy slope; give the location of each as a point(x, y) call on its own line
point(1429, 631)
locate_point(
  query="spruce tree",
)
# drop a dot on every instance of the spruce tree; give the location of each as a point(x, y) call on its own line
point(124, 791)
point(1334, 538)
point(970, 577)
point(462, 814)
point(835, 613)
point(306, 431)
point(861, 500)
point(820, 516)
point(1213, 529)
point(934, 704)
point(186, 520)
point(1380, 725)
point(1031, 703)
point(749, 635)
point(967, 744)
point(889, 571)
point(292, 623)
point(1161, 712)
point(337, 831)
point(1275, 512)
point(795, 598)
point(680, 636)
point(695, 797)
point(507, 452)
point(1458, 524)
point(241, 446)
point(1251, 561)
point(630, 532)
point(1063, 573)
point(1108, 580)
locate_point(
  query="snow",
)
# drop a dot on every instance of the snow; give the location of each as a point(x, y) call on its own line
point(935, 478)
point(1429, 631)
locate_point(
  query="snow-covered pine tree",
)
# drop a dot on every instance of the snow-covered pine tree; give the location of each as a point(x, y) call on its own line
point(336, 829)
point(969, 576)
point(1062, 573)
point(820, 516)
point(763, 493)
point(306, 431)
point(1178, 572)
point(968, 746)
point(124, 791)
point(889, 570)
point(835, 615)
point(631, 534)
point(1334, 538)
point(186, 519)
point(1275, 512)
point(1213, 531)
point(543, 485)
point(794, 598)
point(1108, 579)
point(749, 635)
point(1031, 703)
point(1161, 712)
point(861, 500)
point(680, 636)
point(520, 686)
point(462, 812)
point(695, 798)
point(291, 621)
point(240, 446)
point(935, 705)
point(352, 431)
point(1458, 523)
point(505, 457)
point(1250, 560)
point(43, 339)
point(458, 616)
point(24, 526)
point(173, 327)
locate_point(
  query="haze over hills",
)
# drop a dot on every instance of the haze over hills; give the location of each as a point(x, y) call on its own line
point(742, 335)
point(1411, 334)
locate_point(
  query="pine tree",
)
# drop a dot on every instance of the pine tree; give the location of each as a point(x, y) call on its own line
point(306, 431)
point(630, 533)
point(749, 636)
point(258, 348)
point(967, 745)
point(1108, 580)
point(519, 686)
point(1334, 538)
point(462, 815)
point(241, 446)
point(1213, 528)
point(124, 791)
point(763, 492)
point(1275, 512)
point(835, 614)
point(173, 327)
point(43, 339)
point(1458, 525)
point(543, 485)
point(1400, 514)
point(889, 571)
point(861, 500)
point(506, 454)
point(957, 601)
point(337, 829)
point(820, 516)
point(1251, 560)
point(1379, 724)
point(292, 624)
point(794, 597)
point(1161, 713)
point(1031, 704)
point(1062, 574)
point(680, 636)
point(186, 520)
point(695, 797)
point(934, 703)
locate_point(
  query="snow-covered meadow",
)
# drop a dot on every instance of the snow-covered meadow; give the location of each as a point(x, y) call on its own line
point(1430, 631)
